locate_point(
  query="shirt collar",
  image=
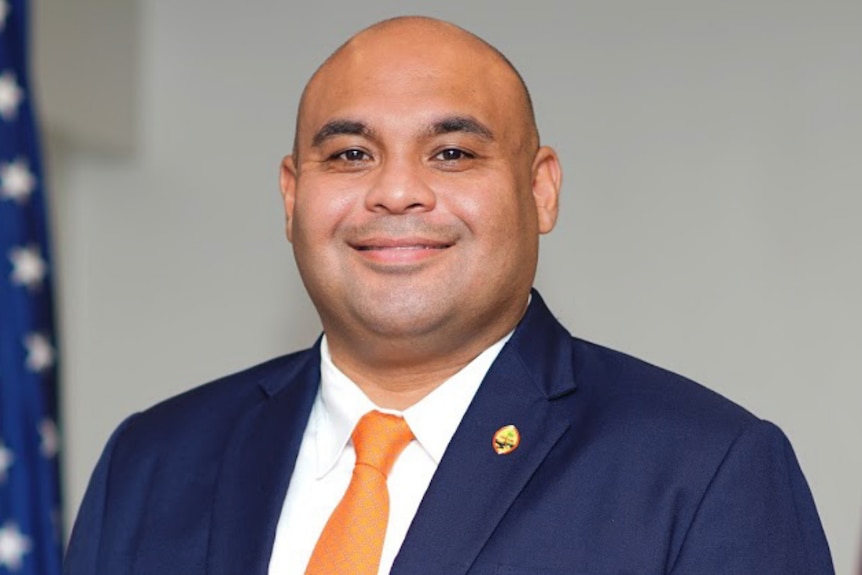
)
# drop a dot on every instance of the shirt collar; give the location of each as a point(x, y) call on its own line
point(433, 419)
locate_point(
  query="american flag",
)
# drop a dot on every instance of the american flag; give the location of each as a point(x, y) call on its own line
point(30, 542)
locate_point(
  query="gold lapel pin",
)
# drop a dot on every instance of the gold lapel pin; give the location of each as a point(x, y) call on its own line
point(506, 440)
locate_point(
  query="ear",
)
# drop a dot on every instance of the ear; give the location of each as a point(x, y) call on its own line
point(287, 180)
point(547, 179)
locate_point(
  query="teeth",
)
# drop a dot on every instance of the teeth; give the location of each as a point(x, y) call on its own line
point(369, 248)
point(408, 247)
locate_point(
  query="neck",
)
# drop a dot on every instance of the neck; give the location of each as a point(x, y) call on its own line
point(397, 368)
point(397, 388)
point(398, 375)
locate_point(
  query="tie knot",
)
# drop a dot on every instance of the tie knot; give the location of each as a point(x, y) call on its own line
point(379, 438)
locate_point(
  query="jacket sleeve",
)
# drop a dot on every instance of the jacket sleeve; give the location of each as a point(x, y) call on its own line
point(82, 554)
point(757, 515)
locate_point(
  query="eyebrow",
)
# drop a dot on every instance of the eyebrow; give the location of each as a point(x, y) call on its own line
point(464, 124)
point(340, 128)
point(447, 125)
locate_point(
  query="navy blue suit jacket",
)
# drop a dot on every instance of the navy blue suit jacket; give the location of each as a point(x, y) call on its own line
point(623, 468)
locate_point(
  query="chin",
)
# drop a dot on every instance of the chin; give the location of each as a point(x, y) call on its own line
point(403, 317)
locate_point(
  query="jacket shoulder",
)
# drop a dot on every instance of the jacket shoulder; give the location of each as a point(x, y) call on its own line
point(215, 404)
point(653, 398)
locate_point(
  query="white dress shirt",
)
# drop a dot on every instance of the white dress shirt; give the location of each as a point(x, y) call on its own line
point(326, 457)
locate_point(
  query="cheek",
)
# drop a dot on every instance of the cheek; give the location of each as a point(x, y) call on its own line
point(493, 209)
point(320, 210)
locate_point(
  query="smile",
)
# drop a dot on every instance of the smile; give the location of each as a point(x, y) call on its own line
point(381, 244)
point(414, 247)
point(400, 251)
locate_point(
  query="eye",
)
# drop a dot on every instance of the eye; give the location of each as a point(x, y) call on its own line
point(352, 155)
point(452, 154)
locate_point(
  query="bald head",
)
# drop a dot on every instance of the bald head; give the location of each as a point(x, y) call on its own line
point(417, 42)
point(415, 198)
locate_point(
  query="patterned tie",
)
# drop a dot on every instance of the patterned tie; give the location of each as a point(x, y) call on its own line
point(352, 540)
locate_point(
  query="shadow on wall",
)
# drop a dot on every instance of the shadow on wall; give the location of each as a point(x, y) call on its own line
point(86, 70)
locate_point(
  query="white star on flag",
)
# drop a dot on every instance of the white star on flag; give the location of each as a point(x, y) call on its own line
point(13, 546)
point(40, 352)
point(7, 458)
point(4, 11)
point(50, 438)
point(28, 267)
point(30, 436)
point(16, 181)
point(10, 96)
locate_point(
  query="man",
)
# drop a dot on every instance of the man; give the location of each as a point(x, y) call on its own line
point(414, 196)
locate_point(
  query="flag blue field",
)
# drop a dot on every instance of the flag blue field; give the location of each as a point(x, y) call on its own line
point(30, 526)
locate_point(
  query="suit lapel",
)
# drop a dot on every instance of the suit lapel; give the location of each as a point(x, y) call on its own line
point(530, 386)
point(256, 470)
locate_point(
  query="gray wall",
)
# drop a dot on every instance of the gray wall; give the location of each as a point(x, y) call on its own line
point(710, 218)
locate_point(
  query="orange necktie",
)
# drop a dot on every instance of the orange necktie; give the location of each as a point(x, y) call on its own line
point(352, 540)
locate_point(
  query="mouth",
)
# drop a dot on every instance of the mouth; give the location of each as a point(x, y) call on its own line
point(400, 245)
point(394, 253)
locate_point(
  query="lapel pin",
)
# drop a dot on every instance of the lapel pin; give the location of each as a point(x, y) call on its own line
point(506, 440)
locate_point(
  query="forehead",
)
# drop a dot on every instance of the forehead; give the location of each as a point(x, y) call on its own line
point(410, 80)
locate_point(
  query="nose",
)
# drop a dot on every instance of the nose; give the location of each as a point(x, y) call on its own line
point(399, 188)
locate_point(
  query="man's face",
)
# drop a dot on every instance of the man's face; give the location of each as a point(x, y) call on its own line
point(416, 196)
